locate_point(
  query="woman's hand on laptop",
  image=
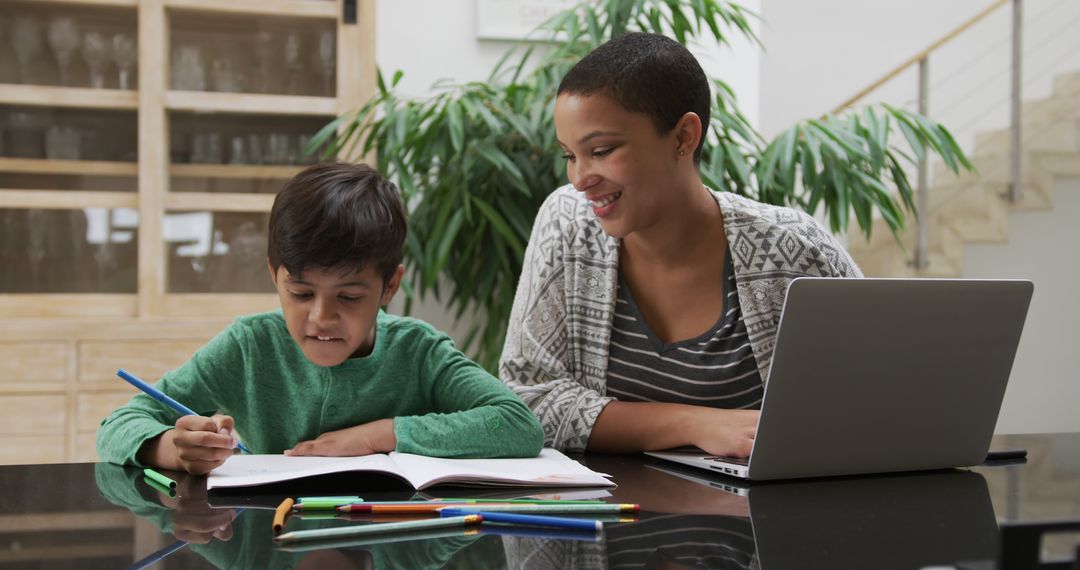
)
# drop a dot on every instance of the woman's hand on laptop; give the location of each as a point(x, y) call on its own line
point(727, 433)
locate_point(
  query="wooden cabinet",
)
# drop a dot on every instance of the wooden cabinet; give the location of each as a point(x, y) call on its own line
point(141, 144)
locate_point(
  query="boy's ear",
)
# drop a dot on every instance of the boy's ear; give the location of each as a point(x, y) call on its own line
point(391, 287)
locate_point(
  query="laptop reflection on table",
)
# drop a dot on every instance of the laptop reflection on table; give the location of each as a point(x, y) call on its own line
point(907, 521)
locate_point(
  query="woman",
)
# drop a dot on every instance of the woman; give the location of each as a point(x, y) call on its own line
point(646, 312)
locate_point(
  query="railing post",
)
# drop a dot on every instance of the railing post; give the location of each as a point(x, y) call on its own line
point(922, 206)
point(1015, 174)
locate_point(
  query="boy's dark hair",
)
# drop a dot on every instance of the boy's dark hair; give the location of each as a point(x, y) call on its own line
point(337, 215)
point(645, 73)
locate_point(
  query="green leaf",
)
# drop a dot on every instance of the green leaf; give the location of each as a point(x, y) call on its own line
point(457, 129)
point(499, 225)
point(447, 239)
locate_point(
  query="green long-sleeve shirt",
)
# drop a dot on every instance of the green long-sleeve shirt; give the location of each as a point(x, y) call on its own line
point(442, 403)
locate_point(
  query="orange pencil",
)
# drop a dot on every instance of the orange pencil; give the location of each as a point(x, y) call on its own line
point(282, 513)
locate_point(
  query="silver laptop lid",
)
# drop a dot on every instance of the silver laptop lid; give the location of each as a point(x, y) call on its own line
point(881, 375)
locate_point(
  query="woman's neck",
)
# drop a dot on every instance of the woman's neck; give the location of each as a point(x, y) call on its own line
point(691, 224)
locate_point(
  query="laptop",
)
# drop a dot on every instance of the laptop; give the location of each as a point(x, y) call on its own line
point(912, 520)
point(881, 375)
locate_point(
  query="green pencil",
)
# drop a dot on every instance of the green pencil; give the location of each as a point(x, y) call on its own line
point(325, 503)
point(159, 487)
point(159, 478)
point(377, 528)
point(345, 499)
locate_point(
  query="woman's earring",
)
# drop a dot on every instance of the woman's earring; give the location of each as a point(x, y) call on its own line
point(682, 152)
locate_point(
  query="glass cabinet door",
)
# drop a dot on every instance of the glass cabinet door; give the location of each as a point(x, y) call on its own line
point(245, 54)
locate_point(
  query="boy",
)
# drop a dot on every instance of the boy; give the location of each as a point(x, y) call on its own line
point(329, 374)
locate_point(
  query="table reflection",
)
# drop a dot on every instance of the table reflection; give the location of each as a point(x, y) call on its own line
point(55, 516)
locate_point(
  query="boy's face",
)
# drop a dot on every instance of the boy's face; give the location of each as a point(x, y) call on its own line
point(330, 314)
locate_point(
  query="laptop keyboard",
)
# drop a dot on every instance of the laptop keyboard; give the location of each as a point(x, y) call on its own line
point(732, 460)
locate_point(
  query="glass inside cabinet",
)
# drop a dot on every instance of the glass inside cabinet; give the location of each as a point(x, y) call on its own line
point(68, 134)
point(221, 152)
point(85, 250)
point(216, 252)
point(46, 43)
point(253, 54)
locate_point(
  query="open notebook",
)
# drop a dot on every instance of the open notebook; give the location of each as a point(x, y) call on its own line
point(549, 469)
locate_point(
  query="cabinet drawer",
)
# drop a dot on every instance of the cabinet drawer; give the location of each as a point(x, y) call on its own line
point(148, 360)
point(92, 408)
point(32, 415)
point(26, 362)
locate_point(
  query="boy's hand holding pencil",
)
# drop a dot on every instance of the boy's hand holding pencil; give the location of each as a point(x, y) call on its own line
point(197, 444)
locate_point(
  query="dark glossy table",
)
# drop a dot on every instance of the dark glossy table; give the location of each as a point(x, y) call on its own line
point(104, 516)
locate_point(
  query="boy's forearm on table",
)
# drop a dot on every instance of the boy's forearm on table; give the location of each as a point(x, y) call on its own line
point(486, 431)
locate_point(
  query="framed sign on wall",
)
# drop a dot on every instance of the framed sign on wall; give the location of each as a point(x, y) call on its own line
point(515, 19)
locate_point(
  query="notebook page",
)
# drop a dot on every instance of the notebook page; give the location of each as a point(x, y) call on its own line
point(549, 469)
point(245, 470)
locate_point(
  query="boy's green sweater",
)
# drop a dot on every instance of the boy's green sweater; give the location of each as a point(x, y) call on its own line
point(443, 404)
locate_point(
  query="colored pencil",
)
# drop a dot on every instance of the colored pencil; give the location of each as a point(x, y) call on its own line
point(524, 500)
point(379, 539)
point(606, 508)
point(531, 520)
point(412, 507)
point(344, 499)
point(281, 513)
point(157, 556)
point(164, 399)
point(380, 528)
point(163, 480)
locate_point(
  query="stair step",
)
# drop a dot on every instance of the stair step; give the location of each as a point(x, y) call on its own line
point(1034, 165)
point(1067, 84)
point(1058, 136)
point(1056, 108)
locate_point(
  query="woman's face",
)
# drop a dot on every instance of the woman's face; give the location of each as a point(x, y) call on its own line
point(619, 160)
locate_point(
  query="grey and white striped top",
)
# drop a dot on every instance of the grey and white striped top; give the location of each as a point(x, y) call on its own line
point(558, 338)
point(716, 368)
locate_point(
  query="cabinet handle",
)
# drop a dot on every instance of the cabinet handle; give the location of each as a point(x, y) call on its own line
point(348, 11)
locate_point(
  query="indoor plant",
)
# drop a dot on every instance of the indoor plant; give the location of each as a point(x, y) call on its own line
point(476, 160)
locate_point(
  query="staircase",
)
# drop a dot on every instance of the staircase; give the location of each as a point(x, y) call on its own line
point(973, 207)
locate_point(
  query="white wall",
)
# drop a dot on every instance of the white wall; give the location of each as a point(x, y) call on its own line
point(436, 39)
point(823, 52)
point(1044, 389)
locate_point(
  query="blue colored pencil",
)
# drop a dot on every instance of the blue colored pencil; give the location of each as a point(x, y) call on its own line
point(164, 399)
point(157, 556)
point(532, 520)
